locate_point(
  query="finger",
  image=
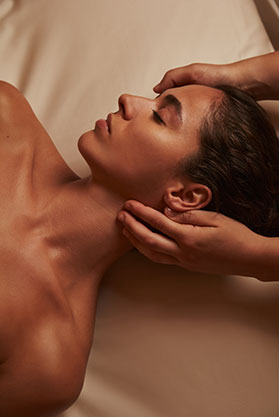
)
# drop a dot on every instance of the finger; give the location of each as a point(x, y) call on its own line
point(175, 77)
point(152, 255)
point(154, 218)
point(149, 239)
point(195, 217)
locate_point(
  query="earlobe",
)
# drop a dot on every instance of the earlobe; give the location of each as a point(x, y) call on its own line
point(193, 197)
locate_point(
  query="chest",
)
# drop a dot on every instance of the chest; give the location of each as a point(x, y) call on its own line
point(32, 299)
point(41, 361)
point(28, 297)
point(39, 345)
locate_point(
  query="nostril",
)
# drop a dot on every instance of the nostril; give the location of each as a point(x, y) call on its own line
point(122, 109)
point(121, 100)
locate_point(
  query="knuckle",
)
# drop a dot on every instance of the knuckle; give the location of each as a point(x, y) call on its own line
point(149, 241)
point(190, 67)
point(187, 216)
point(195, 69)
point(195, 65)
point(164, 78)
point(158, 223)
point(169, 72)
point(168, 75)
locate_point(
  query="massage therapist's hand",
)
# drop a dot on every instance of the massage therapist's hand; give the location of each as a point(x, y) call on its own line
point(196, 240)
point(259, 76)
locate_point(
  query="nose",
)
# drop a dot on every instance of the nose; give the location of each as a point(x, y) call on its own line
point(130, 105)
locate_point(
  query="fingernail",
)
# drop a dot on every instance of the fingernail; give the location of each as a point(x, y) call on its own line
point(171, 213)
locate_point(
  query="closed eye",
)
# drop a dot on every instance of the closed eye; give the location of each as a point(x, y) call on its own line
point(158, 118)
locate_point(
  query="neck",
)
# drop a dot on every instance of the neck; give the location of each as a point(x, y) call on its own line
point(83, 235)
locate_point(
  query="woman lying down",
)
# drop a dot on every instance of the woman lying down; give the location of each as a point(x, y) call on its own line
point(60, 233)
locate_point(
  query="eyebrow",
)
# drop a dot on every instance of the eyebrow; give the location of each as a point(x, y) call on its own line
point(171, 100)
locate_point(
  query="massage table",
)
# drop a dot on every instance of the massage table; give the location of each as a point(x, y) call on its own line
point(167, 342)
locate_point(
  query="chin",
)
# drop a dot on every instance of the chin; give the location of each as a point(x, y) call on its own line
point(86, 136)
point(85, 147)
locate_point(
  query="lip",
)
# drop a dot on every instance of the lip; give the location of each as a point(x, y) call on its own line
point(103, 124)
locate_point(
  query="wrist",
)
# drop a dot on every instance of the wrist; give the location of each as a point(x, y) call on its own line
point(259, 76)
point(266, 258)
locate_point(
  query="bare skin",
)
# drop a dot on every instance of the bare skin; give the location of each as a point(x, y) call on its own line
point(207, 241)
point(46, 309)
point(55, 228)
point(59, 234)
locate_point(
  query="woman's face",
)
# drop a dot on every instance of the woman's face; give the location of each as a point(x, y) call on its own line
point(139, 154)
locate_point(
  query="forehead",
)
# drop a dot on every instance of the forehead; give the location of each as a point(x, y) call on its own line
point(195, 97)
point(195, 100)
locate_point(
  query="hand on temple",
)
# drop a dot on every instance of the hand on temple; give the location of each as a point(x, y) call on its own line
point(205, 74)
point(199, 241)
point(259, 76)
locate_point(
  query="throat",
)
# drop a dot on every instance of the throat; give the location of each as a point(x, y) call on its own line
point(82, 234)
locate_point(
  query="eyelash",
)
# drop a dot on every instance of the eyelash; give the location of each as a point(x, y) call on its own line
point(157, 117)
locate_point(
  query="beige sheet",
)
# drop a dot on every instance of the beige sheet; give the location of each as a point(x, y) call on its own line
point(168, 343)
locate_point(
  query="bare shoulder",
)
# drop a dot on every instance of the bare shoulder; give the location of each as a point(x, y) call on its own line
point(8, 89)
point(20, 128)
point(14, 107)
point(9, 96)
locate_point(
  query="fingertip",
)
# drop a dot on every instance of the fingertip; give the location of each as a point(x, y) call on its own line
point(156, 88)
point(121, 216)
point(170, 213)
point(129, 204)
point(130, 201)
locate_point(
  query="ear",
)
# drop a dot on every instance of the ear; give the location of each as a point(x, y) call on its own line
point(183, 197)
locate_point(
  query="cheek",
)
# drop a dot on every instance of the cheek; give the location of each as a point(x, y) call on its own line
point(152, 153)
point(145, 167)
point(146, 157)
point(134, 164)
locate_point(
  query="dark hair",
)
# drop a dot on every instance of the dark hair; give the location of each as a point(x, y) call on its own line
point(239, 161)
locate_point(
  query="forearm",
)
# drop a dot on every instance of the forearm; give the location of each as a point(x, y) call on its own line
point(260, 76)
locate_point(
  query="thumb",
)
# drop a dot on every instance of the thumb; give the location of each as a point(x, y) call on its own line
point(194, 217)
point(174, 78)
point(168, 81)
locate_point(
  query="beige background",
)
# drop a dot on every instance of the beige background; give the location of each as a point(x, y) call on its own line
point(167, 342)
